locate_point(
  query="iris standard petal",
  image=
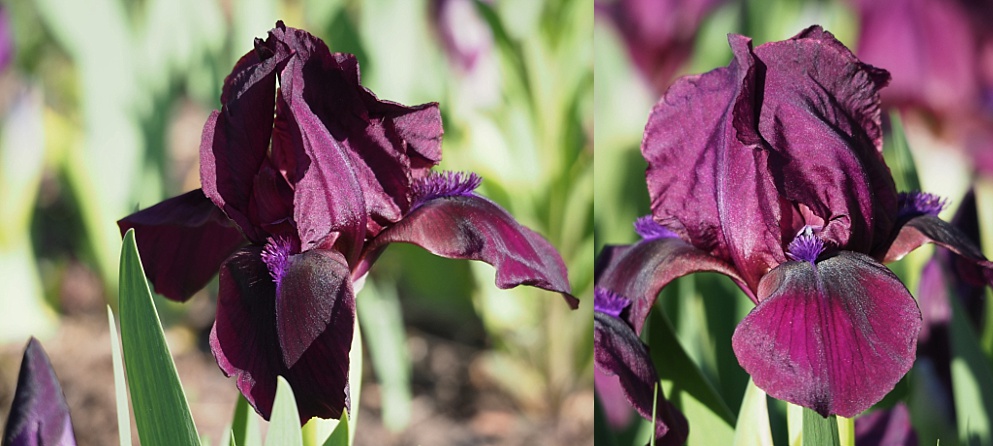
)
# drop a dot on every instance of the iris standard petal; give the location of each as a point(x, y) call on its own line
point(834, 336)
point(39, 415)
point(474, 228)
point(182, 242)
point(235, 139)
point(820, 116)
point(707, 174)
point(246, 343)
point(929, 228)
point(311, 298)
point(618, 351)
point(642, 270)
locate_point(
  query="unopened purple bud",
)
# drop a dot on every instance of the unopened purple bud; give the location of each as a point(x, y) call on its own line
point(917, 203)
point(444, 184)
point(276, 255)
point(608, 302)
point(806, 246)
point(649, 229)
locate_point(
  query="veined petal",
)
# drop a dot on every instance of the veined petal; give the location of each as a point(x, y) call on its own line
point(182, 242)
point(928, 228)
point(643, 269)
point(834, 336)
point(618, 351)
point(474, 228)
point(235, 140)
point(39, 415)
point(315, 292)
point(820, 116)
point(707, 172)
point(246, 343)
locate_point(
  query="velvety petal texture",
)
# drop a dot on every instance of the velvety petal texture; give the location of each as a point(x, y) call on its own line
point(39, 415)
point(928, 228)
point(247, 339)
point(474, 228)
point(619, 351)
point(834, 336)
point(182, 242)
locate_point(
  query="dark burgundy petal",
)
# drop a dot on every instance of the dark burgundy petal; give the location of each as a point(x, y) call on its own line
point(886, 427)
point(246, 343)
point(39, 415)
point(928, 228)
point(474, 228)
point(271, 205)
point(820, 116)
point(315, 284)
point(707, 173)
point(328, 204)
point(834, 337)
point(641, 271)
point(235, 140)
point(182, 242)
point(618, 351)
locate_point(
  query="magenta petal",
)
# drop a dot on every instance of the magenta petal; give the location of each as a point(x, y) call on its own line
point(39, 415)
point(618, 351)
point(182, 242)
point(835, 337)
point(235, 140)
point(474, 228)
point(820, 116)
point(928, 228)
point(707, 173)
point(640, 271)
point(311, 294)
point(245, 343)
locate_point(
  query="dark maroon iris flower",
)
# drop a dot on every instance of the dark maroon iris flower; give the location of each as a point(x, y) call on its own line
point(307, 176)
point(39, 415)
point(770, 171)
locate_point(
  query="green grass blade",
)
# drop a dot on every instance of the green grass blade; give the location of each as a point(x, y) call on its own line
point(120, 386)
point(245, 424)
point(161, 411)
point(379, 310)
point(284, 424)
point(819, 431)
point(753, 419)
point(339, 436)
point(971, 376)
point(898, 157)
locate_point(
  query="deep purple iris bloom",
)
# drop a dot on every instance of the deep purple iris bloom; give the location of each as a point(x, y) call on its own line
point(39, 415)
point(770, 172)
point(304, 185)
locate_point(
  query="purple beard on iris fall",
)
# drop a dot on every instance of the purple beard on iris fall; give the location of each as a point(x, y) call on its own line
point(303, 187)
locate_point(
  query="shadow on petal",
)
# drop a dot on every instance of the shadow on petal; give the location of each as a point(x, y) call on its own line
point(835, 337)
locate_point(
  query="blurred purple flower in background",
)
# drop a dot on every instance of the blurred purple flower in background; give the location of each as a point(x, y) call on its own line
point(304, 185)
point(658, 34)
point(770, 172)
point(39, 415)
point(886, 427)
point(6, 40)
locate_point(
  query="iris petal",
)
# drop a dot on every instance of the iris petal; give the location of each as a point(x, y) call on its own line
point(246, 343)
point(834, 337)
point(474, 228)
point(928, 228)
point(182, 242)
point(618, 351)
point(39, 415)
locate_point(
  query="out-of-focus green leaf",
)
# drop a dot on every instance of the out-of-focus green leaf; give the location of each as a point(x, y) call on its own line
point(284, 424)
point(245, 424)
point(753, 419)
point(846, 431)
point(971, 378)
point(819, 431)
point(379, 309)
point(339, 437)
point(898, 157)
point(711, 421)
point(160, 408)
point(794, 421)
point(601, 430)
point(120, 386)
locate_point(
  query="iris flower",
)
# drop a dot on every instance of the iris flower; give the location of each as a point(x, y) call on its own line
point(770, 171)
point(306, 177)
point(39, 415)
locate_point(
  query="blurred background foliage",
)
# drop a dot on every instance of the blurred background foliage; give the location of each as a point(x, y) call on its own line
point(642, 46)
point(103, 103)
